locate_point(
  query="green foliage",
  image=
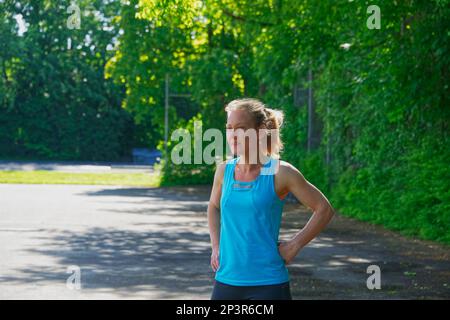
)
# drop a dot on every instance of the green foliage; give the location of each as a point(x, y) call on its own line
point(54, 100)
point(381, 95)
point(182, 174)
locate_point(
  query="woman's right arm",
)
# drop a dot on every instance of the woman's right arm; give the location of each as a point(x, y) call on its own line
point(214, 215)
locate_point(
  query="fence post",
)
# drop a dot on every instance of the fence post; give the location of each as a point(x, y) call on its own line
point(166, 114)
point(310, 108)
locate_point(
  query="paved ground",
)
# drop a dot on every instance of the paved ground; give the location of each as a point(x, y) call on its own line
point(144, 243)
point(75, 166)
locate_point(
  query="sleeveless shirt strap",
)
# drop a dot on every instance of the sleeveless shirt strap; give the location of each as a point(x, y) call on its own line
point(229, 169)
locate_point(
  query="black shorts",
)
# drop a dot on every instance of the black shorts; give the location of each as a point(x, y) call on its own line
point(222, 291)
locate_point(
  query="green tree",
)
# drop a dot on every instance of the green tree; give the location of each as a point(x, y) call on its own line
point(56, 102)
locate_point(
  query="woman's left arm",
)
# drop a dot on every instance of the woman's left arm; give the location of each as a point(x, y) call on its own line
point(312, 198)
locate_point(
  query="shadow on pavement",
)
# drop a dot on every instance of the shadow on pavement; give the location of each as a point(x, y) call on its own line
point(170, 255)
point(175, 263)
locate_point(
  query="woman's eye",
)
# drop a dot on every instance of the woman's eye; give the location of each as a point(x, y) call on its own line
point(235, 129)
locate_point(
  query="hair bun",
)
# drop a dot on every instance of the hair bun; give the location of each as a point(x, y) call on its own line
point(274, 118)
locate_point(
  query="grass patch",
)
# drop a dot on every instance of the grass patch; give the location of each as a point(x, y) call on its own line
point(54, 177)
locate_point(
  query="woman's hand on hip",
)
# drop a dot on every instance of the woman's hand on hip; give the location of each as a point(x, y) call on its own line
point(288, 250)
point(215, 259)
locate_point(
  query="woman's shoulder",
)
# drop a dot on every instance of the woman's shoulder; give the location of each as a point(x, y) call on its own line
point(285, 168)
point(221, 166)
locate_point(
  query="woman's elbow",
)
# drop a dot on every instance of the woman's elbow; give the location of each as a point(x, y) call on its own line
point(327, 211)
point(330, 212)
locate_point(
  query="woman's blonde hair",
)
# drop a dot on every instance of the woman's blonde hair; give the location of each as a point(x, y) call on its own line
point(264, 118)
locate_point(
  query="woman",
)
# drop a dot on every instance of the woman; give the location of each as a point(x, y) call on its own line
point(246, 204)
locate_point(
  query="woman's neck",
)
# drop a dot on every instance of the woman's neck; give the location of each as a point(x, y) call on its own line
point(248, 164)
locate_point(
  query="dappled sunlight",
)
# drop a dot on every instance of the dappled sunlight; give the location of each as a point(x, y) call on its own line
point(148, 243)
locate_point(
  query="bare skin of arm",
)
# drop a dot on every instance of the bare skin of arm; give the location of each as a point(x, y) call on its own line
point(214, 215)
point(289, 179)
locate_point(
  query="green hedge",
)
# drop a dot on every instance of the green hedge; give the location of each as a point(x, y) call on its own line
point(381, 95)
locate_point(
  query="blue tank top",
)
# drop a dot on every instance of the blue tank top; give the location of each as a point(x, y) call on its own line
point(249, 228)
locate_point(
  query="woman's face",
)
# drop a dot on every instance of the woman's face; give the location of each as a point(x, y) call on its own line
point(242, 136)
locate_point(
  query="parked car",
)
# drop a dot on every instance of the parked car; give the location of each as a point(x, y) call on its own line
point(146, 156)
